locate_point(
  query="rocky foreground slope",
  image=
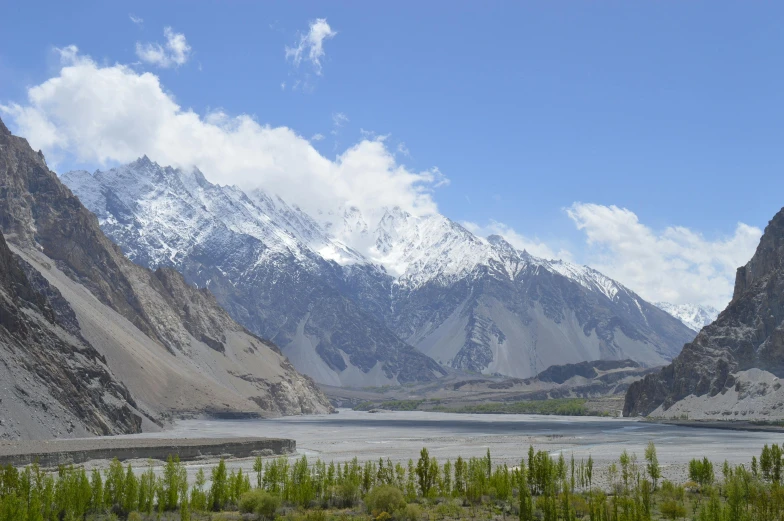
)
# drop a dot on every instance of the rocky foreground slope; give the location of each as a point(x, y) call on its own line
point(732, 369)
point(52, 381)
point(415, 297)
point(173, 348)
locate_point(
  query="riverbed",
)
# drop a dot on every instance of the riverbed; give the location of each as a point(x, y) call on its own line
point(400, 436)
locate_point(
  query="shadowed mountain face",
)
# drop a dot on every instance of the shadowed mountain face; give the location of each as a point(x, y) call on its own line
point(732, 368)
point(171, 345)
point(426, 296)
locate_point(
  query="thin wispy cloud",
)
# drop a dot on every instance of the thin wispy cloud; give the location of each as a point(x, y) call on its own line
point(310, 45)
point(136, 19)
point(339, 119)
point(175, 52)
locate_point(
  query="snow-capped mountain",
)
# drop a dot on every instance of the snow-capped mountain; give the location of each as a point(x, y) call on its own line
point(694, 316)
point(354, 300)
point(260, 257)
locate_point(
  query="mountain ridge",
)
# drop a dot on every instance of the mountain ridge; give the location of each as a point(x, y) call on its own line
point(424, 284)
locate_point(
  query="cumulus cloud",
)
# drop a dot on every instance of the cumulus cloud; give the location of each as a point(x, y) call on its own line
point(533, 245)
point(173, 53)
point(105, 115)
point(674, 265)
point(310, 46)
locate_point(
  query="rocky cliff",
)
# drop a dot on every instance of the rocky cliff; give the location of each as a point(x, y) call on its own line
point(732, 369)
point(172, 346)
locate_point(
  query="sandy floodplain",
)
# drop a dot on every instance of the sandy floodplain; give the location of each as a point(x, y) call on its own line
point(400, 436)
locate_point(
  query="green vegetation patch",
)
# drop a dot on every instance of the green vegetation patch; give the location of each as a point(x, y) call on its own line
point(559, 406)
point(391, 405)
point(540, 487)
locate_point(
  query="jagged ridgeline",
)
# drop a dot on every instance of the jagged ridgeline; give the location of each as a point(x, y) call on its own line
point(732, 369)
point(423, 296)
point(93, 343)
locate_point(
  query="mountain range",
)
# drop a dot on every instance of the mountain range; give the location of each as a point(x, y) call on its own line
point(92, 343)
point(423, 296)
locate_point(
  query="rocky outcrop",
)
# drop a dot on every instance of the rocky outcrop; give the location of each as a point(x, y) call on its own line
point(53, 381)
point(747, 336)
point(174, 348)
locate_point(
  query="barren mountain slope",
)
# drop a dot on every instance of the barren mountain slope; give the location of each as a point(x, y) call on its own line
point(52, 381)
point(173, 346)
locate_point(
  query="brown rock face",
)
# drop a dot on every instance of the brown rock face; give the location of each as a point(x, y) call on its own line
point(172, 345)
point(748, 334)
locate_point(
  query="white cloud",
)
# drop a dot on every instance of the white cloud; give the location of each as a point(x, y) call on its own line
point(310, 46)
point(533, 245)
point(173, 53)
point(674, 265)
point(136, 19)
point(402, 149)
point(108, 114)
point(317, 137)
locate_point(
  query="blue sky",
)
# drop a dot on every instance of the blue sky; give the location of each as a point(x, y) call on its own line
point(669, 110)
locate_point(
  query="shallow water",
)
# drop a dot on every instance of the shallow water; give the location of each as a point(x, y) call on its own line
point(400, 436)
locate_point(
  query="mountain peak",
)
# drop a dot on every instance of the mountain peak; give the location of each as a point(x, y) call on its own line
point(502, 244)
point(144, 161)
point(768, 257)
point(693, 316)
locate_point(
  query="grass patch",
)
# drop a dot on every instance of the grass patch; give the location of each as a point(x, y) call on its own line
point(391, 405)
point(558, 406)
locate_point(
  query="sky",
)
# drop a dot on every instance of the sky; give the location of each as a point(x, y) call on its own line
point(641, 138)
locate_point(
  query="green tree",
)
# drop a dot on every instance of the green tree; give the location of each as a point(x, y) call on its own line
point(424, 472)
point(219, 490)
point(654, 471)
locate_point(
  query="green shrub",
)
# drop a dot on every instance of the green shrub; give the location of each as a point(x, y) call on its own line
point(267, 506)
point(384, 498)
point(672, 510)
point(411, 512)
point(134, 516)
point(344, 495)
point(259, 502)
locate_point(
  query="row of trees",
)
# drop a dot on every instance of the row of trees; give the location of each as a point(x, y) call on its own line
point(541, 487)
